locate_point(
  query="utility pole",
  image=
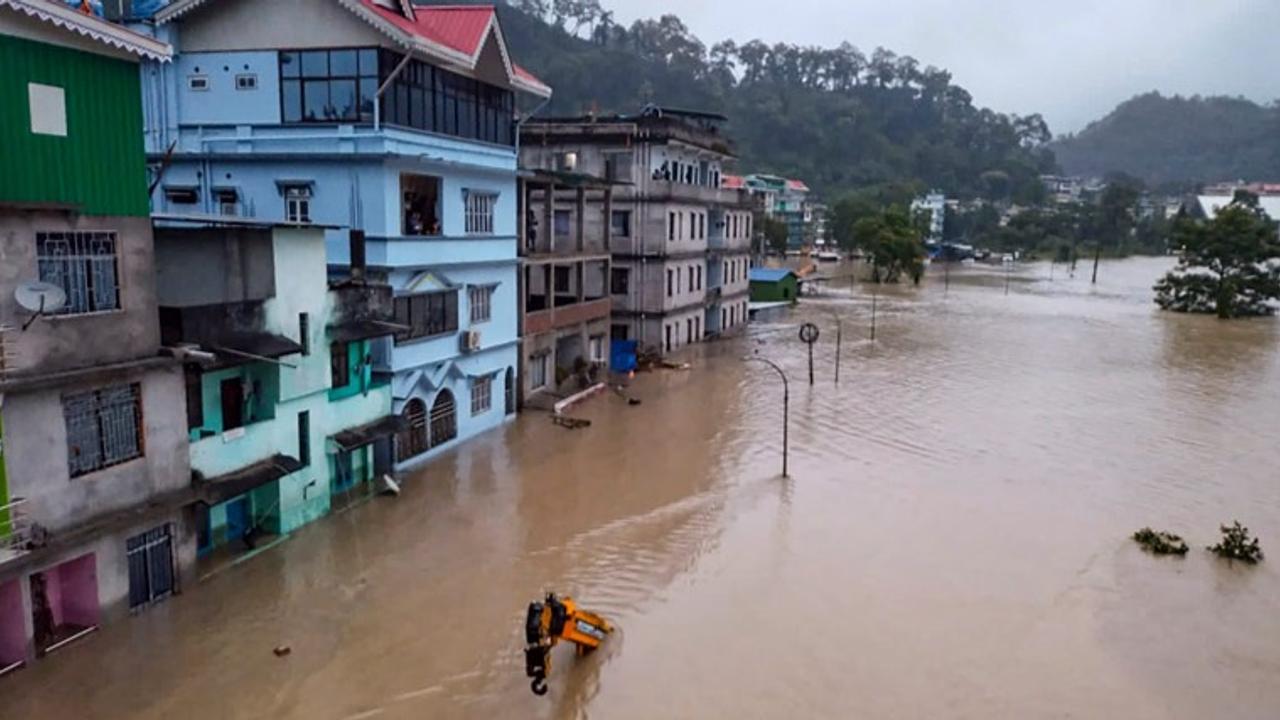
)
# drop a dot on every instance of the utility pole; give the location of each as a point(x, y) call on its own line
point(873, 312)
point(1097, 255)
point(786, 406)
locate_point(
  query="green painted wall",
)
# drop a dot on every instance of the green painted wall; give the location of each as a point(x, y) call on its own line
point(360, 375)
point(259, 406)
point(782, 291)
point(100, 165)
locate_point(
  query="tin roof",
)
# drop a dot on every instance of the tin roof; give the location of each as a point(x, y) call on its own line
point(93, 27)
point(768, 274)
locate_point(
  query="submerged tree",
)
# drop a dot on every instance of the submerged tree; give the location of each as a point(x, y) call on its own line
point(893, 240)
point(775, 234)
point(1229, 266)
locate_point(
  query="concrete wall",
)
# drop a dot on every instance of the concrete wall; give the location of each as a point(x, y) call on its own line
point(251, 24)
point(56, 343)
point(36, 452)
point(214, 266)
point(222, 102)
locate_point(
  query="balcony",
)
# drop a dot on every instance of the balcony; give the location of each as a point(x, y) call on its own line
point(666, 191)
point(563, 316)
point(227, 452)
point(425, 250)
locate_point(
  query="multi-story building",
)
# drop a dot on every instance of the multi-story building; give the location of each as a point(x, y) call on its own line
point(95, 496)
point(381, 116)
point(565, 276)
point(934, 203)
point(284, 411)
point(680, 242)
point(783, 199)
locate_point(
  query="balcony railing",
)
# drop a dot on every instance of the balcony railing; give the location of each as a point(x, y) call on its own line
point(663, 190)
point(15, 529)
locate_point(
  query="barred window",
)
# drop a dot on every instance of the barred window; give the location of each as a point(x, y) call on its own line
point(297, 204)
point(84, 265)
point(480, 299)
point(104, 428)
point(481, 395)
point(479, 212)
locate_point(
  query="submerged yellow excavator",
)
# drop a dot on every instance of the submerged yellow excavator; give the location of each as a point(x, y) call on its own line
point(548, 623)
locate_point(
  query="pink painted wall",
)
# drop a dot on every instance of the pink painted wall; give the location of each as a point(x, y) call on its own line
point(79, 587)
point(13, 627)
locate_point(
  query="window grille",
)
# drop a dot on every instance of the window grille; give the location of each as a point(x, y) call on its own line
point(104, 428)
point(84, 265)
point(479, 210)
point(481, 395)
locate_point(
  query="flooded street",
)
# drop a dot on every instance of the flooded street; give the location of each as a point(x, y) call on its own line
point(953, 541)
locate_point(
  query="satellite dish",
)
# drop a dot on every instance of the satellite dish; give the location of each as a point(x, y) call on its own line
point(39, 298)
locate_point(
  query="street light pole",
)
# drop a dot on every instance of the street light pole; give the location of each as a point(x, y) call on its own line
point(786, 406)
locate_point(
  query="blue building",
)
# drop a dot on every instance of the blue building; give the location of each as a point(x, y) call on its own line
point(376, 117)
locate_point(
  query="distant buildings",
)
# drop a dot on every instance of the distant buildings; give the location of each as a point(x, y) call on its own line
point(680, 242)
point(784, 199)
point(1062, 189)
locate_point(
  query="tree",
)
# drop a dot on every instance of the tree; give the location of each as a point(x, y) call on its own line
point(775, 234)
point(1230, 265)
point(893, 241)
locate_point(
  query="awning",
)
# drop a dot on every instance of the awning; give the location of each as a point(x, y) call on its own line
point(357, 437)
point(239, 348)
point(361, 330)
point(224, 487)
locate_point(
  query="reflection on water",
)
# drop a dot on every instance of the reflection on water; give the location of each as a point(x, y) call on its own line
point(953, 541)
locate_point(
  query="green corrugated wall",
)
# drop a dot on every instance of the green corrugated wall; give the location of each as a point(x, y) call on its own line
point(100, 165)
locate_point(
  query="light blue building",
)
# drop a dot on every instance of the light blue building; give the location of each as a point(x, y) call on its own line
point(379, 117)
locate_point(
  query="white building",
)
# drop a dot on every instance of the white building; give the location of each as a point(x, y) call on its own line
point(935, 203)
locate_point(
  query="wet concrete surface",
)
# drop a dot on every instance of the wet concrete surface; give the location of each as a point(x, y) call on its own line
point(953, 541)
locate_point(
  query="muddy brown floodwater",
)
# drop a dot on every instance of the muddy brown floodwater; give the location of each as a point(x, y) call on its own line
point(953, 541)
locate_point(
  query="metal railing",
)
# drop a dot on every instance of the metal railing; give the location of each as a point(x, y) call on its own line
point(15, 528)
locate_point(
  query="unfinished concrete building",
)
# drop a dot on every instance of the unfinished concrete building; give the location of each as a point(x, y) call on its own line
point(680, 242)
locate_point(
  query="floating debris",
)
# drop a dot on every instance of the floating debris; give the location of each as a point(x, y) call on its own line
point(282, 650)
point(1160, 543)
point(571, 423)
point(1237, 545)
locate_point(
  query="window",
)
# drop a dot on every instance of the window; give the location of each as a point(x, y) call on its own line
point(669, 284)
point(304, 332)
point(481, 395)
point(691, 287)
point(84, 265)
point(247, 81)
point(702, 226)
point(671, 226)
point(620, 332)
point(328, 86)
point(620, 223)
point(667, 346)
point(479, 298)
point(563, 222)
point(198, 83)
point(479, 209)
point(150, 558)
point(339, 365)
point(48, 105)
point(510, 391)
point(432, 99)
point(699, 277)
point(538, 371)
point(304, 438)
point(596, 348)
point(297, 203)
point(617, 166)
point(688, 331)
point(104, 428)
point(228, 200)
point(444, 419)
point(427, 314)
point(182, 195)
point(420, 198)
point(620, 281)
point(412, 441)
point(195, 399)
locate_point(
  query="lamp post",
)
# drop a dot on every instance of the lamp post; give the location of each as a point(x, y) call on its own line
point(786, 406)
point(839, 333)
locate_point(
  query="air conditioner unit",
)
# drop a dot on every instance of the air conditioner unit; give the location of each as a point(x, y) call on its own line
point(470, 341)
point(568, 162)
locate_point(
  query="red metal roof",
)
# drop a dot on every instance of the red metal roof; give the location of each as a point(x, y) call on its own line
point(797, 185)
point(461, 28)
point(733, 182)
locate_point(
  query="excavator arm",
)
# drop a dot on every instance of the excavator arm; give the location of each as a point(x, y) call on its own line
point(551, 621)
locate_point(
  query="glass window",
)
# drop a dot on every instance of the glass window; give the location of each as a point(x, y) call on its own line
point(481, 395)
point(427, 314)
point(621, 223)
point(315, 63)
point(104, 428)
point(316, 100)
point(620, 281)
point(481, 301)
point(339, 365)
point(290, 65)
point(343, 62)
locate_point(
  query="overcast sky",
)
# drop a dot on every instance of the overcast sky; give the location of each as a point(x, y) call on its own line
point(1071, 60)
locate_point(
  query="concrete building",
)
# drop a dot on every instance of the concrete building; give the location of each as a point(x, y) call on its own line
point(284, 412)
point(680, 242)
point(1062, 189)
point(934, 203)
point(95, 497)
point(382, 116)
point(565, 303)
point(784, 199)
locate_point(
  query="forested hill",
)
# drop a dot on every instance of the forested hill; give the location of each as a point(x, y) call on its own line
point(1176, 141)
point(838, 118)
